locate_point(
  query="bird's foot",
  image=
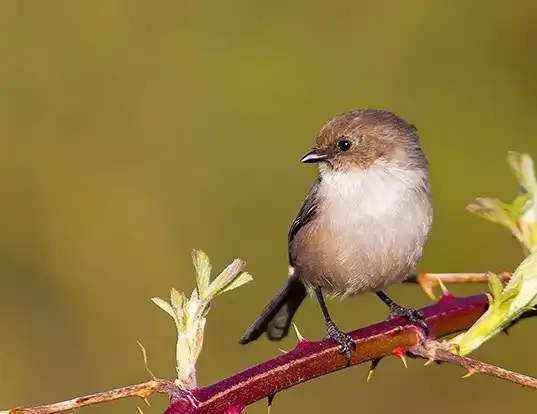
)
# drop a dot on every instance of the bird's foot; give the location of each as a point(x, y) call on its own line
point(411, 315)
point(343, 339)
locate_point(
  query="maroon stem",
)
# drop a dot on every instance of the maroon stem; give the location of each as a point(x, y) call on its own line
point(312, 359)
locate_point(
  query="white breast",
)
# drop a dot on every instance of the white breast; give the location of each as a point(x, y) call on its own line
point(378, 190)
point(381, 218)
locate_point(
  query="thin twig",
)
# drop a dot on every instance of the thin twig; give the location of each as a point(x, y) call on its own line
point(436, 351)
point(429, 281)
point(140, 390)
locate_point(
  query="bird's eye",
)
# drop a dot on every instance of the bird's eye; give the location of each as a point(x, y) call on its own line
point(344, 144)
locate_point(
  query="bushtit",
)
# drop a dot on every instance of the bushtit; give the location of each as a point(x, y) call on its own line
point(363, 225)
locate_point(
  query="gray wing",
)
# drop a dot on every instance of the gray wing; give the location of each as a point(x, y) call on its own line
point(305, 215)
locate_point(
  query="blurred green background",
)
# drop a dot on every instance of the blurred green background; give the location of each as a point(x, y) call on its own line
point(134, 131)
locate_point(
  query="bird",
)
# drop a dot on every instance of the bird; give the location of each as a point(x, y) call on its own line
point(363, 225)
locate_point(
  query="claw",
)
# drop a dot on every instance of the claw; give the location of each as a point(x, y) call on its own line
point(343, 339)
point(396, 311)
point(412, 315)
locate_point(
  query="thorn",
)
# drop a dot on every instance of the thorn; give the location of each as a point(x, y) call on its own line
point(147, 402)
point(298, 334)
point(446, 296)
point(372, 368)
point(429, 292)
point(429, 361)
point(301, 339)
point(270, 399)
point(139, 410)
point(400, 352)
point(403, 360)
point(469, 373)
point(283, 351)
point(424, 280)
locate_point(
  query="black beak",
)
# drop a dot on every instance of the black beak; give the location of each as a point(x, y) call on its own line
point(314, 156)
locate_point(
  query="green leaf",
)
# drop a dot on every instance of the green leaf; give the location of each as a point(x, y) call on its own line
point(512, 291)
point(165, 306)
point(522, 166)
point(493, 210)
point(525, 281)
point(519, 206)
point(189, 313)
point(507, 305)
point(227, 276)
point(495, 285)
point(240, 280)
point(203, 268)
point(179, 301)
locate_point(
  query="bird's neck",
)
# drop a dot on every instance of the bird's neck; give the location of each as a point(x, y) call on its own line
point(377, 190)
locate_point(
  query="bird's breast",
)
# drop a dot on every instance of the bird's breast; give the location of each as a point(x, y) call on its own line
point(369, 231)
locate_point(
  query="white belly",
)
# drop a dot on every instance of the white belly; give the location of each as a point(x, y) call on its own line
point(370, 229)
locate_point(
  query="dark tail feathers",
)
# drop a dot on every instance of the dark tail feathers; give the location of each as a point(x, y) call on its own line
point(278, 314)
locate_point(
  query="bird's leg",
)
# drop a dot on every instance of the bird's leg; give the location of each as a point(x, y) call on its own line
point(396, 311)
point(342, 338)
